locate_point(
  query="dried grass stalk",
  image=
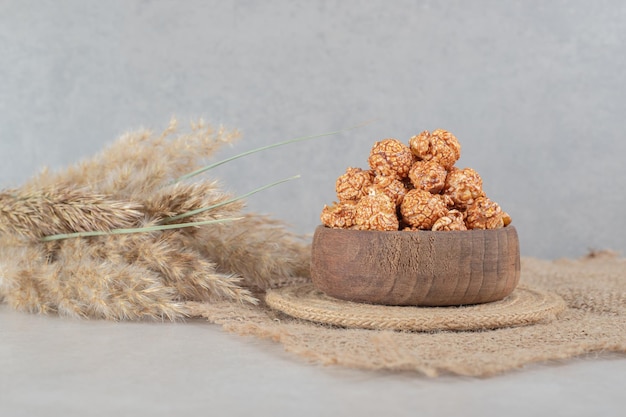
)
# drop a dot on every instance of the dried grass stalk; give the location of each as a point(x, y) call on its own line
point(133, 184)
point(51, 210)
point(176, 199)
point(139, 163)
point(258, 248)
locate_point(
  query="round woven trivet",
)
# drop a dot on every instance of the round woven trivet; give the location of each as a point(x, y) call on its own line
point(523, 307)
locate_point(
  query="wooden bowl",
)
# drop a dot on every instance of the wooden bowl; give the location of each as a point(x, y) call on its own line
point(418, 268)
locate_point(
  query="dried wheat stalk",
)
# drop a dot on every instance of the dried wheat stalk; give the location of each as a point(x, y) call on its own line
point(51, 210)
point(135, 184)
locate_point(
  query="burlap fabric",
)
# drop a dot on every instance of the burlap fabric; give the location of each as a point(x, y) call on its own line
point(594, 320)
point(525, 306)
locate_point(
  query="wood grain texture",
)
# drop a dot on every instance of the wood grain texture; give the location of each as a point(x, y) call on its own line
point(423, 268)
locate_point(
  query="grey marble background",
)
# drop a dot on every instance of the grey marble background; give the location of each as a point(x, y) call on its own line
point(534, 90)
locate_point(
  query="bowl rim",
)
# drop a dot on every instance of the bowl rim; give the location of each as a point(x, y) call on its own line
point(409, 232)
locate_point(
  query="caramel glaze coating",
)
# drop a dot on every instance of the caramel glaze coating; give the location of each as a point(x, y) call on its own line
point(376, 212)
point(391, 158)
point(415, 187)
point(440, 146)
point(391, 186)
point(421, 209)
point(428, 175)
point(451, 221)
point(463, 186)
point(339, 215)
point(354, 184)
point(485, 214)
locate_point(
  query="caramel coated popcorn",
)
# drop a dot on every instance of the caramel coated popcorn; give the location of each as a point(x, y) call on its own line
point(415, 187)
point(391, 158)
point(440, 146)
point(421, 209)
point(428, 175)
point(451, 221)
point(463, 186)
point(339, 215)
point(391, 186)
point(376, 212)
point(354, 184)
point(486, 214)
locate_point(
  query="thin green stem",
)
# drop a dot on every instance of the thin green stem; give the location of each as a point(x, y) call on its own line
point(134, 230)
point(223, 203)
point(263, 148)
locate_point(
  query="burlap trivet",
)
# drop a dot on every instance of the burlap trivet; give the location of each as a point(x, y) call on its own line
point(594, 321)
point(523, 307)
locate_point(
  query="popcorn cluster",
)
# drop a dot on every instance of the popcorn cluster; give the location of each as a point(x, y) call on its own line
point(415, 187)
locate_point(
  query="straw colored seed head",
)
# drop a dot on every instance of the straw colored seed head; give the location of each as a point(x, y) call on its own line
point(180, 198)
point(61, 209)
point(136, 185)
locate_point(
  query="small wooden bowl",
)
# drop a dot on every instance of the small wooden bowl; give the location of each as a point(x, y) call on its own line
point(418, 268)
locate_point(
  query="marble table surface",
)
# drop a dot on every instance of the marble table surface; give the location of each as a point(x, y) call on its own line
point(52, 366)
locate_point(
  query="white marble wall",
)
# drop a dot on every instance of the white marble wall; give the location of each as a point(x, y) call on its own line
point(534, 90)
